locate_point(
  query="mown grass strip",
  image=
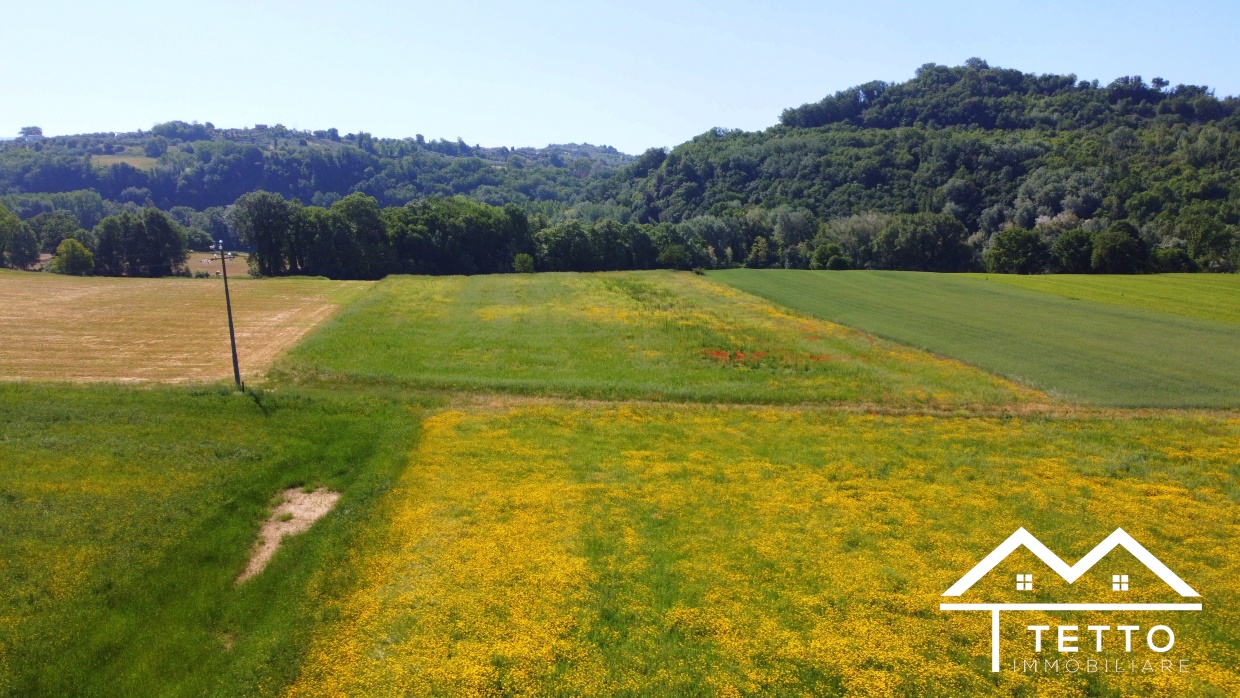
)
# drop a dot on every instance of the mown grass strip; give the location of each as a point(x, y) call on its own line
point(656, 335)
point(1100, 353)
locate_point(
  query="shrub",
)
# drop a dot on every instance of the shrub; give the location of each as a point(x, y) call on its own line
point(1119, 251)
point(674, 256)
point(1017, 251)
point(760, 254)
point(523, 264)
point(823, 254)
point(1173, 260)
point(1073, 252)
point(923, 242)
point(73, 258)
point(839, 263)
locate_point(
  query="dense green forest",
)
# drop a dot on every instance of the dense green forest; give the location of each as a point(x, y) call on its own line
point(960, 168)
point(200, 166)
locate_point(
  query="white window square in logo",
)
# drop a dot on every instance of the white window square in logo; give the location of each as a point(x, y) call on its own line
point(1024, 582)
point(1119, 582)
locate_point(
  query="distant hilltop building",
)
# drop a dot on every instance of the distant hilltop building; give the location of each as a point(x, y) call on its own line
point(31, 134)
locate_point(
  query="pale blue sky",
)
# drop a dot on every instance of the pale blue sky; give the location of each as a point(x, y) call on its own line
point(631, 74)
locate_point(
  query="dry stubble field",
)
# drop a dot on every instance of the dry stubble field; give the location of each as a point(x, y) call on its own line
point(166, 330)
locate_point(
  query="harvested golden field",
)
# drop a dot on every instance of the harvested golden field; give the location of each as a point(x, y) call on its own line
point(208, 262)
point(135, 159)
point(167, 330)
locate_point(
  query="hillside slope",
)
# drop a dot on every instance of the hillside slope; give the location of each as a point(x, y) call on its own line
point(200, 166)
point(987, 145)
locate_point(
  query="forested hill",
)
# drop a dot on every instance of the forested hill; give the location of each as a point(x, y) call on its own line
point(200, 166)
point(987, 145)
point(977, 95)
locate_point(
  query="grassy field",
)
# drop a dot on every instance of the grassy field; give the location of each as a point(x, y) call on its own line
point(167, 330)
point(550, 549)
point(777, 514)
point(126, 515)
point(1101, 353)
point(1204, 296)
point(657, 335)
point(135, 158)
point(208, 262)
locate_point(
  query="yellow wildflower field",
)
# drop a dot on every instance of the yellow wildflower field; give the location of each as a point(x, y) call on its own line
point(555, 548)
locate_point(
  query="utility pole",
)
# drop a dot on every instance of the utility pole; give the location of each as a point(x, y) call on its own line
point(232, 336)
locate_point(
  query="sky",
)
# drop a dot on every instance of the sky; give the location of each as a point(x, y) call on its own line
point(632, 74)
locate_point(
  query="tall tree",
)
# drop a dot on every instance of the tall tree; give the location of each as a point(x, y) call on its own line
point(363, 221)
point(111, 235)
point(139, 244)
point(163, 246)
point(73, 258)
point(263, 220)
point(923, 242)
point(9, 224)
point(24, 248)
point(55, 226)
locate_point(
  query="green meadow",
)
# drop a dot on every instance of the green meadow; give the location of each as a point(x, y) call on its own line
point(630, 484)
point(126, 516)
point(1147, 351)
point(627, 335)
point(1204, 296)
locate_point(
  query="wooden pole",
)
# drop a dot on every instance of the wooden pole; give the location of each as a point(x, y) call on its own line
point(232, 335)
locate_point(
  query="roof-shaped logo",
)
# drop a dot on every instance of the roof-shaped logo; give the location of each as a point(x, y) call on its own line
point(1118, 539)
point(1024, 582)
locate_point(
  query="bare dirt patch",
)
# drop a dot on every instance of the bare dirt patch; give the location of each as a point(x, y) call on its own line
point(295, 514)
point(164, 330)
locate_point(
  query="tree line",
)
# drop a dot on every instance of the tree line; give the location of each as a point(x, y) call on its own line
point(355, 238)
point(145, 243)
